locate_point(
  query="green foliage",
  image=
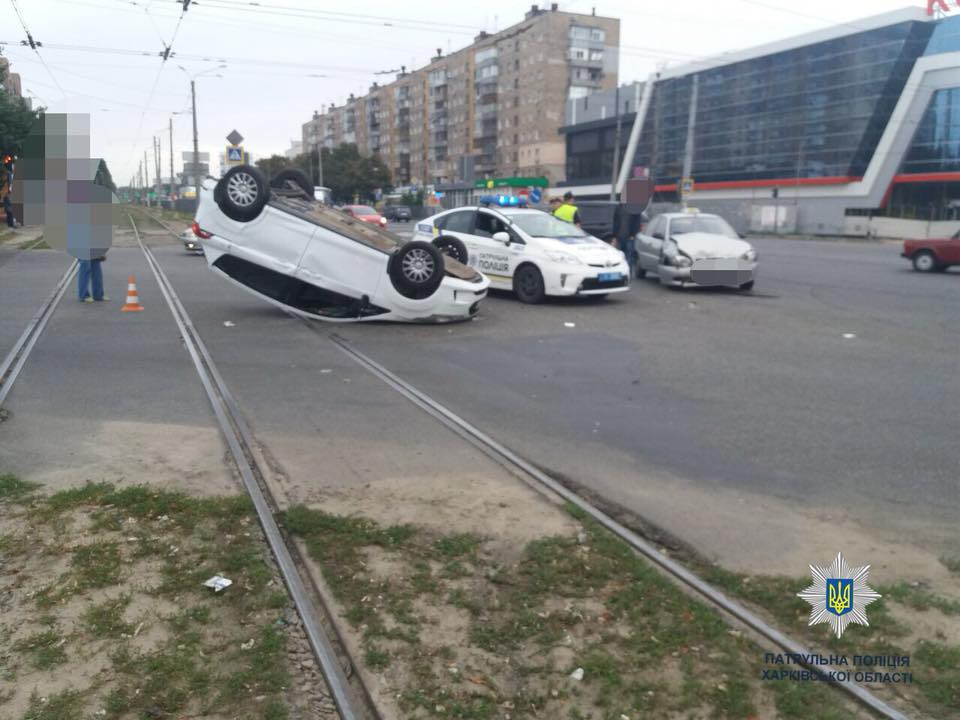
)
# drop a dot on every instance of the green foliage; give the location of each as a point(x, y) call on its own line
point(275, 163)
point(12, 487)
point(351, 177)
point(15, 120)
point(412, 199)
point(103, 176)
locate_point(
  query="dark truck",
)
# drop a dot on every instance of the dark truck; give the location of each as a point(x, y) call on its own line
point(614, 222)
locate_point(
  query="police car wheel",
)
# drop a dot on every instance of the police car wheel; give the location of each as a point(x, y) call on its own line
point(416, 270)
point(241, 193)
point(528, 284)
point(291, 175)
point(453, 247)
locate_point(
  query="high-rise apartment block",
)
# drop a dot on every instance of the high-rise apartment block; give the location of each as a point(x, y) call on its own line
point(491, 109)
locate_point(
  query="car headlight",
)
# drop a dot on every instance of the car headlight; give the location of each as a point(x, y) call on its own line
point(562, 257)
point(750, 255)
point(677, 259)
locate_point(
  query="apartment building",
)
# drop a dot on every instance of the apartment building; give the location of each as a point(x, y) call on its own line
point(491, 109)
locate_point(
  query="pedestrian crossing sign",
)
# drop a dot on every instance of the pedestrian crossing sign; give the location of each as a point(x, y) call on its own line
point(235, 154)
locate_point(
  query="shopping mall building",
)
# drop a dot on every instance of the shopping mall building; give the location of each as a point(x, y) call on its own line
point(850, 130)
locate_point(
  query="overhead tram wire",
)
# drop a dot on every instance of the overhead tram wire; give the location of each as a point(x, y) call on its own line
point(164, 55)
point(214, 17)
point(35, 46)
point(807, 16)
point(334, 16)
point(203, 58)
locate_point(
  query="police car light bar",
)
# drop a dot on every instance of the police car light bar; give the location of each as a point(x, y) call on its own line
point(503, 200)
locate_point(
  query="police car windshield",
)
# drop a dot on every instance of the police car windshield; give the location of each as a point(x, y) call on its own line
point(704, 224)
point(540, 224)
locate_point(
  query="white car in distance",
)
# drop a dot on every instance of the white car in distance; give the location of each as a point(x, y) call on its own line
point(692, 248)
point(528, 251)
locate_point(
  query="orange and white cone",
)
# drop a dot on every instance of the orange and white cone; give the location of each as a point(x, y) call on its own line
point(133, 300)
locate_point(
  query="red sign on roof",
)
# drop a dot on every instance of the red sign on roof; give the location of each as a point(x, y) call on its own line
point(942, 4)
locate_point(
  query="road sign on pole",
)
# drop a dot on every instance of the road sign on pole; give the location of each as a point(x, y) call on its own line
point(686, 187)
point(234, 154)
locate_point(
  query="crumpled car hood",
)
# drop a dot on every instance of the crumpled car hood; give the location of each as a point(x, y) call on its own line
point(698, 245)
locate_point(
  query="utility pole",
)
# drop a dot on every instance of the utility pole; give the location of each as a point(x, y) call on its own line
point(196, 149)
point(146, 175)
point(691, 135)
point(615, 170)
point(156, 159)
point(171, 158)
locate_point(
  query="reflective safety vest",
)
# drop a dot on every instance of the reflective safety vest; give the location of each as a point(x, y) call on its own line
point(566, 212)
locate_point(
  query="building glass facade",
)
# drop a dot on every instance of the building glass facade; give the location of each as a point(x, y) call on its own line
point(814, 111)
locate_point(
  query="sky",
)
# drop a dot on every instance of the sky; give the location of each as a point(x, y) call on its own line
point(265, 66)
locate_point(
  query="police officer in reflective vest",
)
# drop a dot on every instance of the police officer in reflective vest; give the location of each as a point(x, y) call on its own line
point(568, 211)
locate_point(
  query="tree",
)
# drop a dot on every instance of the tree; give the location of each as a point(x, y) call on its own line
point(16, 119)
point(272, 165)
point(351, 176)
point(103, 176)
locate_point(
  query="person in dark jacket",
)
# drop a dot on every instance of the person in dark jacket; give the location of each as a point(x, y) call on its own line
point(8, 209)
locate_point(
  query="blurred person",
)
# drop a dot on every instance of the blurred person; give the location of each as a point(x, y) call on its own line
point(8, 209)
point(90, 272)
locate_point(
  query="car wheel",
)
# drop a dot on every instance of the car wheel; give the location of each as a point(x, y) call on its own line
point(291, 175)
point(924, 261)
point(747, 285)
point(528, 284)
point(452, 247)
point(641, 273)
point(241, 193)
point(416, 270)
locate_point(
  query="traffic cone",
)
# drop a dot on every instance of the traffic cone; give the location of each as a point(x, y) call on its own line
point(133, 300)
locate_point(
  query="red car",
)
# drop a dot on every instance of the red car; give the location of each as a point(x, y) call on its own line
point(366, 214)
point(933, 255)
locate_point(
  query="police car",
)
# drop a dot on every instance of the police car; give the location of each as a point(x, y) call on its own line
point(528, 251)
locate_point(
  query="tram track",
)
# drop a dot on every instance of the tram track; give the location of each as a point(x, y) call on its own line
point(543, 482)
point(16, 358)
point(351, 697)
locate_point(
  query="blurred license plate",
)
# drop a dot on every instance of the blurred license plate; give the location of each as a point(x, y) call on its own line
point(720, 272)
point(609, 277)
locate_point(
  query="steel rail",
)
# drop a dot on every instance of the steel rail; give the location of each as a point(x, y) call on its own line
point(239, 440)
point(539, 480)
point(14, 361)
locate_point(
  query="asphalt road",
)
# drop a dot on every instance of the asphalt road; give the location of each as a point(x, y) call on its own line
point(760, 392)
point(664, 401)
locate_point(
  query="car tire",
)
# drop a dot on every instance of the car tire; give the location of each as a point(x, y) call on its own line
point(925, 261)
point(641, 273)
point(242, 193)
point(416, 269)
point(528, 284)
point(453, 247)
point(297, 177)
point(747, 286)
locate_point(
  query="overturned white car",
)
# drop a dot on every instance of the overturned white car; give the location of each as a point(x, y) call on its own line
point(278, 242)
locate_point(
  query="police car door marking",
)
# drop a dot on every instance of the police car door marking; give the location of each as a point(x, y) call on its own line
point(493, 263)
